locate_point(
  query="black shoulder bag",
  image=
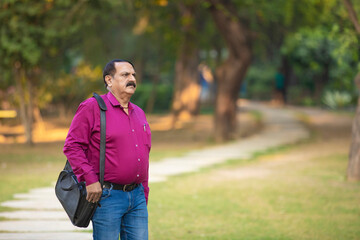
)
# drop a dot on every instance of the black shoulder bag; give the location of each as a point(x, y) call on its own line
point(72, 193)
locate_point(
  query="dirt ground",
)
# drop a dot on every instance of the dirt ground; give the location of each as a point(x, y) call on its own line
point(198, 132)
point(195, 133)
point(332, 136)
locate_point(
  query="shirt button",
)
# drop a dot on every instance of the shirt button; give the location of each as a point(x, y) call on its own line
point(139, 159)
point(137, 175)
point(133, 130)
point(136, 145)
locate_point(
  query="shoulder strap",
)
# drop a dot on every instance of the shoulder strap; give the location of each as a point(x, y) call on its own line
point(103, 108)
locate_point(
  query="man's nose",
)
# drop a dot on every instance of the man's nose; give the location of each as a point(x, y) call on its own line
point(132, 78)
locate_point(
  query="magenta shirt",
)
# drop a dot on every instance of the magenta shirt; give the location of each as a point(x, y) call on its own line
point(128, 143)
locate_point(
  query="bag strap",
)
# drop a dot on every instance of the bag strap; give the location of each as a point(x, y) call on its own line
point(103, 108)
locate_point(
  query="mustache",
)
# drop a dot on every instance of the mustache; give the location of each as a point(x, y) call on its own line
point(131, 83)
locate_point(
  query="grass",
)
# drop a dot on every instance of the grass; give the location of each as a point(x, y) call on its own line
point(158, 154)
point(303, 199)
point(23, 168)
point(309, 201)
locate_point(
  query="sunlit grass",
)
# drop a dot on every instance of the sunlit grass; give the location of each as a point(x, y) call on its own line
point(23, 168)
point(160, 154)
point(308, 201)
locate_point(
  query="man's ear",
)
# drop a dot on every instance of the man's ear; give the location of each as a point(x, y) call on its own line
point(108, 80)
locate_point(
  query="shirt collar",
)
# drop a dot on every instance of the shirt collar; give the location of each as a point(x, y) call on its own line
point(114, 102)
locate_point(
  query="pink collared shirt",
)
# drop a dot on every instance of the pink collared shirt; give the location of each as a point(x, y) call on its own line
point(128, 143)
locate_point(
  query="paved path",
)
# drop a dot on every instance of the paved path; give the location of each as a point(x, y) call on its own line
point(41, 216)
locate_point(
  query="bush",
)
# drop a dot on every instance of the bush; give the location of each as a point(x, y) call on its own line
point(164, 94)
point(163, 97)
point(260, 82)
point(337, 99)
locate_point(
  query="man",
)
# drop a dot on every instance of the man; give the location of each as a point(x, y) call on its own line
point(124, 196)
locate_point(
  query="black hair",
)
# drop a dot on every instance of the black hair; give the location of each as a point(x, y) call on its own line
point(110, 68)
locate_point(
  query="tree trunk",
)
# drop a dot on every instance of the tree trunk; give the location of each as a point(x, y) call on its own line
point(353, 170)
point(352, 15)
point(30, 111)
point(225, 103)
point(40, 125)
point(230, 74)
point(320, 83)
point(286, 70)
point(25, 103)
point(187, 86)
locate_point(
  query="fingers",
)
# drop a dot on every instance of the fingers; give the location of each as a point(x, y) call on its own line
point(93, 197)
point(94, 192)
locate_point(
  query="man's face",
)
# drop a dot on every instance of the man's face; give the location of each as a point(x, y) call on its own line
point(123, 81)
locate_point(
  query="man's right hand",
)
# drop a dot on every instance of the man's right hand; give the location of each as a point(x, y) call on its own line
point(94, 192)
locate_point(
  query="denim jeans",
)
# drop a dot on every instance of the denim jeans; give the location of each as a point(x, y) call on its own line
point(123, 213)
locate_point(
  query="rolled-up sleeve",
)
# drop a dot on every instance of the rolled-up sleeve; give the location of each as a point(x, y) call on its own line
point(77, 143)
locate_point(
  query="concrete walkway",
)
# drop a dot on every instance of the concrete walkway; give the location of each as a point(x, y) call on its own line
point(39, 215)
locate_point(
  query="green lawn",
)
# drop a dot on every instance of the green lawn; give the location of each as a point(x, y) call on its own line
point(308, 201)
point(159, 154)
point(23, 168)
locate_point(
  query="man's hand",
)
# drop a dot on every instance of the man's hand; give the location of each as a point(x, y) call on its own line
point(94, 192)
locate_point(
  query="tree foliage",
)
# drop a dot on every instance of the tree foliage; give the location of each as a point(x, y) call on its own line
point(29, 33)
point(58, 48)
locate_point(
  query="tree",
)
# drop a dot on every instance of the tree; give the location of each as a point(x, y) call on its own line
point(230, 74)
point(187, 87)
point(318, 57)
point(30, 32)
point(353, 170)
point(173, 31)
point(254, 31)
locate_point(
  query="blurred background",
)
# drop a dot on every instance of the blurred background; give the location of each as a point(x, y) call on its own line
point(190, 56)
point(199, 64)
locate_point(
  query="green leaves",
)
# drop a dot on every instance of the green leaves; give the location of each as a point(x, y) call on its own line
point(312, 50)
point(337, 99)
point(30, 30)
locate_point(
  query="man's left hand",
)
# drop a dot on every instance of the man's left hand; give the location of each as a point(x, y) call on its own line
point(94, 192)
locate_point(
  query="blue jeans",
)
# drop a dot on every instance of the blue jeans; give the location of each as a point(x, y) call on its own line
point(123, 213)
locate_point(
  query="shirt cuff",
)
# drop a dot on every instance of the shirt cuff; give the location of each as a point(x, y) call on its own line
point(90, 178)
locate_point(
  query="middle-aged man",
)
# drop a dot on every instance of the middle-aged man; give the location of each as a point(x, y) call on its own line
point(124, 196)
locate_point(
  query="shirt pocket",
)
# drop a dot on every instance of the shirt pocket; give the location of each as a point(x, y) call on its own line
point(147, 135)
